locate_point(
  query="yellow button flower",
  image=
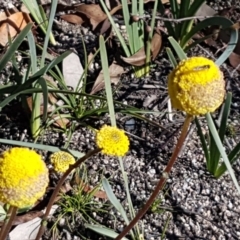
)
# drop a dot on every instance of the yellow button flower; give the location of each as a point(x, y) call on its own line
point(23, 177)
point(61, 161)
point(196, 86)
point(112, 140)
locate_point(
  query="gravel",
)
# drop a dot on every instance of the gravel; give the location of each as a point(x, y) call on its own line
point(196, 205)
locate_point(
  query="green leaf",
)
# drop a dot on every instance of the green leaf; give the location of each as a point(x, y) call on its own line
point(219, 21)
point(214, 152)
point(181, 54)
point(48, 30)
point(169, 26)
point(120, 38)
point(171, 57)
point(43, 84)
point(43, 147)
point(103, 231)
point(32, 51)
point(107, 80)
point(14, 46)
point(221, 149)
point(112, 198)
point(203, 141)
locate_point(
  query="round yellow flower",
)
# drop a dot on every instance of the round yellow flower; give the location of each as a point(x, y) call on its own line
point(61, 161)
point(23, 177)
point(113, 141)
point(196, 86)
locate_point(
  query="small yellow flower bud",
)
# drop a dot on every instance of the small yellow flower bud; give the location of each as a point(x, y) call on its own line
point(61, 161)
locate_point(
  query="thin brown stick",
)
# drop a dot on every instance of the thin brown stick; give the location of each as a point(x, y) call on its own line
point(173, 19)
point(162, 180)
point(57, 189)
point(12, 211)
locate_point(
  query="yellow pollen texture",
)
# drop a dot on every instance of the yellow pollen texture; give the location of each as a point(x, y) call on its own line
point(196, 86)
point(61, 161)
point(23, 177)
point(112, 141)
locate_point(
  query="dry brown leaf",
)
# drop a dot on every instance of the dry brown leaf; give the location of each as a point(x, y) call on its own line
point(93, 12)
point(60, 122)
point(137, 59)
point(3, 16)
point(26, 217)
point(73, 18)
point(12, 26)
point(156, 44)
point(234, 60)
point(115, 72)
point(87, 188)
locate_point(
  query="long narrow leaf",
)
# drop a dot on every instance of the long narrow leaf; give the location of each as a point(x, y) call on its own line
point(179, 51)
point(221, 149)
point(203, 141)
point(107, 80)
point(103, 231)
point(171, 57)
point(32, 51)
point(169, 26)
point(112, 198)
point(40, 147)
point(214, 152)
point(43, 84)
point(120, 38)
point(219, 21)
point(14, 46)
point(49, 30)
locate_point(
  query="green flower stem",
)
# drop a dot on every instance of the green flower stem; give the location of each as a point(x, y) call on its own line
point(57, 189)
point(12, 211)
point(162, 179)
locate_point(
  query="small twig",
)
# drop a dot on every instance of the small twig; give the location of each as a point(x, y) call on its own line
point(173, 19)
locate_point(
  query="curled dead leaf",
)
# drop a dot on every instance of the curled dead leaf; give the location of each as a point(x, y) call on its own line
point(139, 58)
point(12, 26)
point(234, 60)
point(73, 18)
point(156, 44)
point(115, 72)
point(93, 12)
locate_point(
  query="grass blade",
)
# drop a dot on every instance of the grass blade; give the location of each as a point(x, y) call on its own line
point(14, 46)
point(49, 30)
point(171, 57)
point(103, 231)
point(107, 80)
point(221, 150)
point(40, 147)
point(112, 198)
point(179, 51)
point(120, 38)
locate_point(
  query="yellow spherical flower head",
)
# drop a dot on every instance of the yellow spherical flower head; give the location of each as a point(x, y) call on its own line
point(61, 161)
point(23, 177)
point(196, 86)
point(112, 140)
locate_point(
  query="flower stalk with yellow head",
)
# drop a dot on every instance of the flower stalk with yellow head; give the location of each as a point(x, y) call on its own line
point(195, 86)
